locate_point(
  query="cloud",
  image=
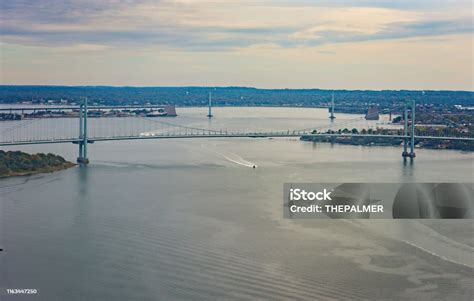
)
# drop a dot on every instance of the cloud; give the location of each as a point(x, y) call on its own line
point(225, 25)
point(397, 30)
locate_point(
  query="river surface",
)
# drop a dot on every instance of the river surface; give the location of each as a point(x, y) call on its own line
point(191, 219)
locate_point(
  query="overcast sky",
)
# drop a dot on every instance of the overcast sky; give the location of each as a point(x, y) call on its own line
point(358, 44)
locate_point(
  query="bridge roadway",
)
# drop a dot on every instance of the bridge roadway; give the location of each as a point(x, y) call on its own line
point(224, 135)
point(70, 108)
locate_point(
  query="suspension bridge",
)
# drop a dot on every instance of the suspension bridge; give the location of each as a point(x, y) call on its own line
point(83, 131)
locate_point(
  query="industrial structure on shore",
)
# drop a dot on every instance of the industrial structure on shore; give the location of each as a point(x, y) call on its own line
point(27, 112)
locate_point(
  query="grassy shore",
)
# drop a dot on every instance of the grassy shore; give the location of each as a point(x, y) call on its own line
point(17, 163)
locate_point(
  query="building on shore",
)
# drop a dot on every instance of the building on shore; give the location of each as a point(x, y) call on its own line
point(372, 114)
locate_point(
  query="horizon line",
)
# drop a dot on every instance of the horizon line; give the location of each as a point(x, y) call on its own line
point(228, 87)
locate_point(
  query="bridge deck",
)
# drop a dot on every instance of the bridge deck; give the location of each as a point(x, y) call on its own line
point(228, 135)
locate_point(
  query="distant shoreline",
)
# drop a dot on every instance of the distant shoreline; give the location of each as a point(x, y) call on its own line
point(235, 96)
point(374, 141)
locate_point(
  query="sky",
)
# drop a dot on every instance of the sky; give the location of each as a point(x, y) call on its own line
point(338, 44)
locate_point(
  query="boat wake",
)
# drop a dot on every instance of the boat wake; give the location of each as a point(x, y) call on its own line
point(231, 157)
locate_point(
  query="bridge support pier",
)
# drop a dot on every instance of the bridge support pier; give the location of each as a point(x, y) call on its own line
point(209, 114)
point(405, 153)
point(332, 117)
point(82, 158)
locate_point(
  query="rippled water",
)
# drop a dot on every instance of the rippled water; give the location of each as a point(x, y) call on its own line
point(189, 219)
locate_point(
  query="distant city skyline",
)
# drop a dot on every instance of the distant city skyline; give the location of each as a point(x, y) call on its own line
point(365, 44)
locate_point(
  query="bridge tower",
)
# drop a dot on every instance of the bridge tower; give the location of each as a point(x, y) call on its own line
point(332, 117)
point(209, 115)
point(82, 158)
point(411, 154)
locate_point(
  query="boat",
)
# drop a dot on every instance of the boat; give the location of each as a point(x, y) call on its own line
point(167, 111)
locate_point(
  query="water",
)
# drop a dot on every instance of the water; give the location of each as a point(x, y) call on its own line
point(182, 219)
